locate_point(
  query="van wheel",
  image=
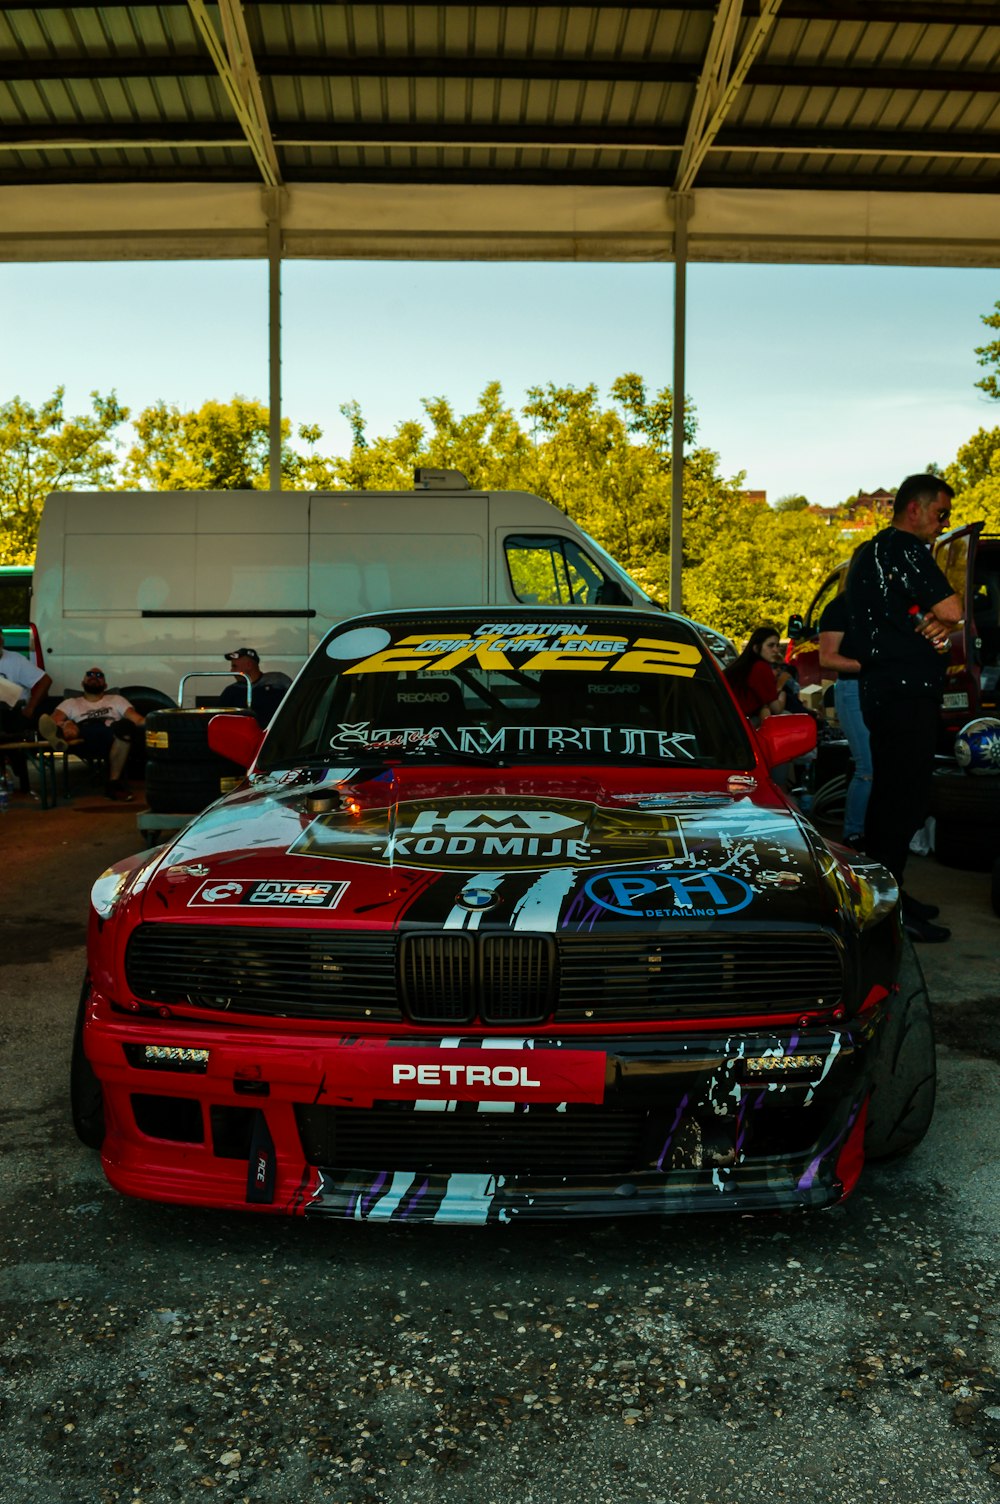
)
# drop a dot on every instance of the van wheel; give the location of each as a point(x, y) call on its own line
point(85, 1093)
point(902, 1100)
point(145, 699)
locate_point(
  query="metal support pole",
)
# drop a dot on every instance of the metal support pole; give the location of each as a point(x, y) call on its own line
point(681, 206)
point(272, 199)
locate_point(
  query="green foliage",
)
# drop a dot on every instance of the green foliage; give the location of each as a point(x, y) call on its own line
point(605, 462)
point(41, 450)
point(975, 476)
point(989, 354)
point(791, 504)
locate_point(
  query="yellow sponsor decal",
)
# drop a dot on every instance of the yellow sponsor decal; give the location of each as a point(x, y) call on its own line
point(158, 739)
point(587, 653)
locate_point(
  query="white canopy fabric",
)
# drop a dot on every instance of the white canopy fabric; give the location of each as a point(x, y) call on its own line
point(357, 221)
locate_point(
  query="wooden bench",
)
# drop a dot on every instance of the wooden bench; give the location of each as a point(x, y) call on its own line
point(43, 755)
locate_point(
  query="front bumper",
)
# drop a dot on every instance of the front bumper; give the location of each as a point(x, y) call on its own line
point(304, 1123)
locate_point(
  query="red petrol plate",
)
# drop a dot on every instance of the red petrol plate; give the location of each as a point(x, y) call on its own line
point(369, 1072)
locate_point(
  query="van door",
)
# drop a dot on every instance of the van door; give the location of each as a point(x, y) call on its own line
point(553, 569)
point(955, 555)
point(384, 552)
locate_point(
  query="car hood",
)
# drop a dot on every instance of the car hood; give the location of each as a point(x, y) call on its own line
point(540, 852)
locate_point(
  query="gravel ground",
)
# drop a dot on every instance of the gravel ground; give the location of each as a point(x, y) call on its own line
point(150, 1353)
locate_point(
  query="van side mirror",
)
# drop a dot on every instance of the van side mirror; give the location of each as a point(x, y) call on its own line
point(796, 628)
point(236, 737)
point(784, 738)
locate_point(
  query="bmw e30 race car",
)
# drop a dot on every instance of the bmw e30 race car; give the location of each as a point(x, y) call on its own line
point(508, 920)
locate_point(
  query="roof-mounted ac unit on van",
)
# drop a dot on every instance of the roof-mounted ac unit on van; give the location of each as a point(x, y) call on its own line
point(425, 479)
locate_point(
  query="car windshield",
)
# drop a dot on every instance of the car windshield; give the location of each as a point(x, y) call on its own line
point(581, 686)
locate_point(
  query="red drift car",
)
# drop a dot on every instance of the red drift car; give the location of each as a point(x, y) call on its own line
point(508, 920)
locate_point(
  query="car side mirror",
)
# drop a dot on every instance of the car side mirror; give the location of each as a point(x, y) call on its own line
point(784, 738)
point(796, 628)
point(236, 737)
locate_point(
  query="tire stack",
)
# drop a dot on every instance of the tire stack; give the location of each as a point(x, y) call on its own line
point(966, 807)
point(183, 774)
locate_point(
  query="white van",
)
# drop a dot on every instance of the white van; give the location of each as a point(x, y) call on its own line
point(150, 586)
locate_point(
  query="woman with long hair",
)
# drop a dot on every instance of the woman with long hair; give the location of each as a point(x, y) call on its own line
point(753, 677)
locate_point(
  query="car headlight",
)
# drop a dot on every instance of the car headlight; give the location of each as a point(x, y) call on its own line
point(877, 892)
point(107, 891)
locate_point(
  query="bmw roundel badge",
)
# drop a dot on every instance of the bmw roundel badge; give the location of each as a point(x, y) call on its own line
point(477, 898)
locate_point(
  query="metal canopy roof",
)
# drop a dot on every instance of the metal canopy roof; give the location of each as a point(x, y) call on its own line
point(805, 130)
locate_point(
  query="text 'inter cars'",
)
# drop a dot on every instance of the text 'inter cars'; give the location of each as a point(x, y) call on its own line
point(507, 921)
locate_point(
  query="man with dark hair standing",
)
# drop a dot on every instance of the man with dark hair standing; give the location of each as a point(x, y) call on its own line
point(902, 609)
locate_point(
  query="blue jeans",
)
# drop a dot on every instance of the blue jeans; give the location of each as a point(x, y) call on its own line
point(847, 700)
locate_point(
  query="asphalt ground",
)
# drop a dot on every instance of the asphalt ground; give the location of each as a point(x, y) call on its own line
point(154, 1353)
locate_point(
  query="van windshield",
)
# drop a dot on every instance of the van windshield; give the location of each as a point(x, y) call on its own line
point(590, 687)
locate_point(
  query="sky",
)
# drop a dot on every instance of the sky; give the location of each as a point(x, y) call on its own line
point(812, 380)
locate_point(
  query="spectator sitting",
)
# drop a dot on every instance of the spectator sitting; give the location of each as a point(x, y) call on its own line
point(753, 677)
point(26, 687)
point(97, 724)
point(266, 690)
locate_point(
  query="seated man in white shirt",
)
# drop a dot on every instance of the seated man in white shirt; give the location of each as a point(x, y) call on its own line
point(25, 687)
point(98, 724)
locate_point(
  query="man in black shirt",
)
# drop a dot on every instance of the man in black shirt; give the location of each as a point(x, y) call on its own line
point(901, 609)
point(266, 690)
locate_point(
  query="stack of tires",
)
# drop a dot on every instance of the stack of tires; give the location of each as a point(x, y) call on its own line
point(183, 774)
point(966, 807)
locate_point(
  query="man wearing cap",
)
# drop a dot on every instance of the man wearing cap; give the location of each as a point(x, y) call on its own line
point(97, 724)
point(266, 690)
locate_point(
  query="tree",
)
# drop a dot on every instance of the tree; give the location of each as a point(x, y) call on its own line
point(989, 354)
point(220, 446)
point(975, 477)
point(41, 450)
point(792, 504)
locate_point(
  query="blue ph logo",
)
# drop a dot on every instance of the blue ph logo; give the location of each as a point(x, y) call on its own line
point(669, 895)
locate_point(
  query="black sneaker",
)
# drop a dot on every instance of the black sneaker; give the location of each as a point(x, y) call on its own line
point(923, 930)
point(116, 790)
point(914, 908)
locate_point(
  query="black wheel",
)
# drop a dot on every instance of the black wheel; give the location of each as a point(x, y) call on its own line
point(178, 790)
point(966, 796)
point(902, 1099)
point(146, 700)
point(179, 735)
point(966, 844)
point(85, 1094)
point(995, 886)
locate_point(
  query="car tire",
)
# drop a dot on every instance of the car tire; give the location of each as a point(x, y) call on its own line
point(171, 789)
point(85, 1091)
point(179, 736)
point(969, 845)
point(902, 1099)
point(957, 795)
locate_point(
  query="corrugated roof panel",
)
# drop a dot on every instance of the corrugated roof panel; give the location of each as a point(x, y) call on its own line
point(454, 94)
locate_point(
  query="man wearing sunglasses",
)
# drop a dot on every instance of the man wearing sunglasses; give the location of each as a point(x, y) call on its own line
point(97, 724)
point(902, 611)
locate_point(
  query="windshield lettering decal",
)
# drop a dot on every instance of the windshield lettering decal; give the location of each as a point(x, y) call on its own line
point(626, 741)
point(483, 834)
point(559, 651)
